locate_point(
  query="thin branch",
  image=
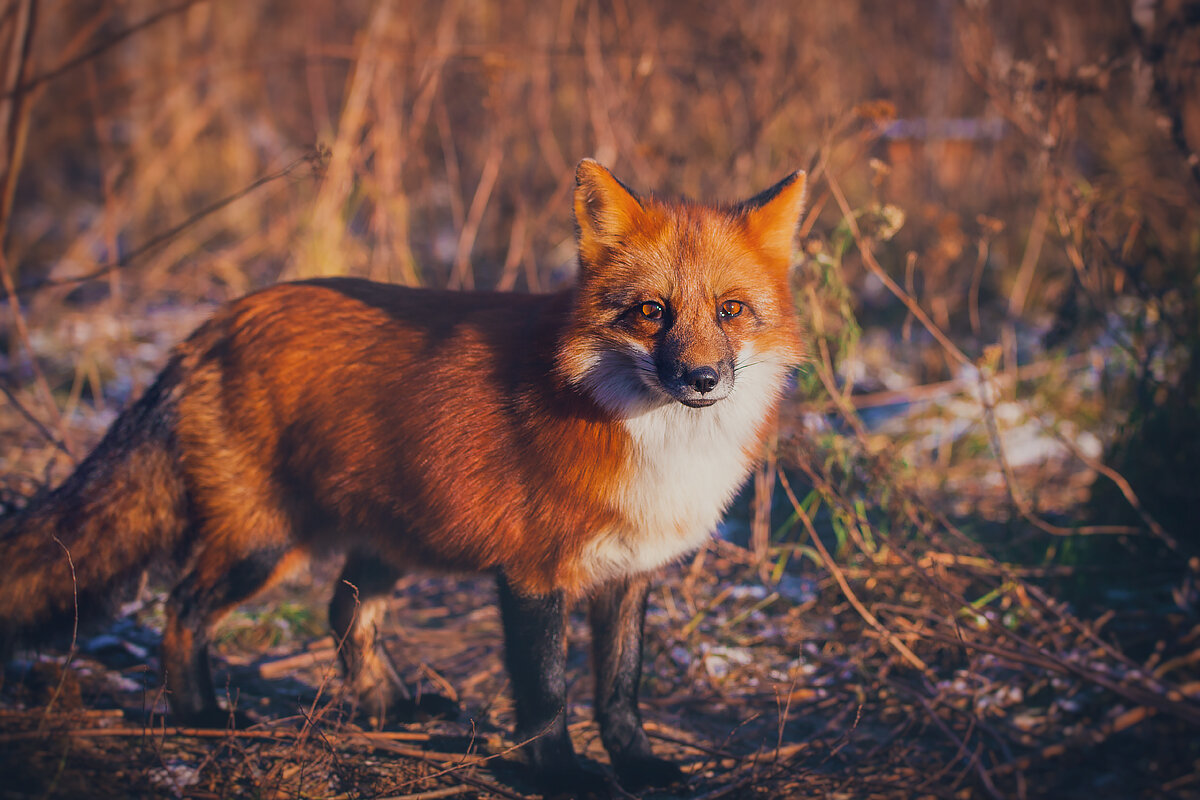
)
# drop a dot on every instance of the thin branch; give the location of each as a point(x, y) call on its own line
point(107, 44)
point(62, 678)
point(461, 277)
point(834, 570)
point(37, 423)
point(315, 158)
point(864, 248)
point(1122, 484)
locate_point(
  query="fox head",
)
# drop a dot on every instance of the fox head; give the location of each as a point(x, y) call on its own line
point(676, 299)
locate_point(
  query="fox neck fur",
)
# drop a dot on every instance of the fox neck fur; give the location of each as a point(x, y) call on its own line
point(683, 467)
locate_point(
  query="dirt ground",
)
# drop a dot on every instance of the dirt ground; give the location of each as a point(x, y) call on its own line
point(757, 691)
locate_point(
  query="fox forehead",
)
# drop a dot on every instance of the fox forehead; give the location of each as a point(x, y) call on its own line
point(688, 253)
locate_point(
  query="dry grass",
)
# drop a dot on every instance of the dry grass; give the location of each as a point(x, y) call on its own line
point(957, 579)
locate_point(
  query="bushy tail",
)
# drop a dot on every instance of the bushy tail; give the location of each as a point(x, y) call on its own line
point(67, 552)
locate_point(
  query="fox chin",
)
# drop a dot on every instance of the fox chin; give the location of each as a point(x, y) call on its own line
point(569, 444)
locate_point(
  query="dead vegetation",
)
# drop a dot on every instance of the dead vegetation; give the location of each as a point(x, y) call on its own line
point(970, 567)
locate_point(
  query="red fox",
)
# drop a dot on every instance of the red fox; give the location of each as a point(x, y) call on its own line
point(569, 444)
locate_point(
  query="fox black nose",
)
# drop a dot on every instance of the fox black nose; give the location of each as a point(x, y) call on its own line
point(702, 379)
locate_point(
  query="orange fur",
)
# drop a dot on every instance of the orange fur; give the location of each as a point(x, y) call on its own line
point(416, 424)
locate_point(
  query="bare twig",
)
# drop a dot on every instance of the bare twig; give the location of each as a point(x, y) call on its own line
point(987, 396)
point(104, 46)
point(314, 158)
point(46, 433)
point(1122, 484)
point(834, 570)
point(462, 277)
point(868, 256)
point(62, 679)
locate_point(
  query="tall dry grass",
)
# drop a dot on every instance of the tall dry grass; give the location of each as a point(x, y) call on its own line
point(1003, 234)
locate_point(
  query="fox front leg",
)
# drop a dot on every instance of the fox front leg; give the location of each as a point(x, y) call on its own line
point(535, 654)
point(355, 611)
point(618, 615)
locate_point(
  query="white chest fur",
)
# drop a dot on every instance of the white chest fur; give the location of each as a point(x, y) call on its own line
point(688, 463)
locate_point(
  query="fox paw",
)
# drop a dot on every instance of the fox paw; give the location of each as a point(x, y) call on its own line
point(575, 782)
point(404, 710)
point(639, 772)
point(214, 718)
point(437, 706)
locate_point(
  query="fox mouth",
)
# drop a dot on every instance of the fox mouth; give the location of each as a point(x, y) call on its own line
point(699, 402)
point(680, 395)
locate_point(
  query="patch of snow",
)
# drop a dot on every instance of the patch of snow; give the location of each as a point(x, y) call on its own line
point(175, 775)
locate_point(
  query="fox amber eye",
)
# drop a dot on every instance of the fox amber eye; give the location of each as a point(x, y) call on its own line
point(651, 310)
point(731, 308)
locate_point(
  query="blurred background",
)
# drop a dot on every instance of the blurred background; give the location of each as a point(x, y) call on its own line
point(999, 272)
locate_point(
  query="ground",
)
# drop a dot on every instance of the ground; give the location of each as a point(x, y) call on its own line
point(757, 690)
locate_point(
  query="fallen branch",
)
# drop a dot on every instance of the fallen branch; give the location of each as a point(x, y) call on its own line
point(834, 570)
point(213, 733)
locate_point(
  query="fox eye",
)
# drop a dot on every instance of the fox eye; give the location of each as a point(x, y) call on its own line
point(651, 310)
point(731, 308)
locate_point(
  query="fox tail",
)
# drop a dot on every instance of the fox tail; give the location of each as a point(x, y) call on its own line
point(66, 554)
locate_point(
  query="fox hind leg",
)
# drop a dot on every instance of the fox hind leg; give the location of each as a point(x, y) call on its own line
point(209, 590)
point(355, 614)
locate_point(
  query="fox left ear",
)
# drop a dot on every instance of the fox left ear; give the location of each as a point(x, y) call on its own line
point(605, 210)
point(772, 216)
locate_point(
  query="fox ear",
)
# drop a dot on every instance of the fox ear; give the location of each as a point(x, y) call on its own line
point(605, 210)
point(772, 215)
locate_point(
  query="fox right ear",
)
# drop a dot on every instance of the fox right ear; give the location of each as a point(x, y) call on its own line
point(774, 214)
point(605, 210)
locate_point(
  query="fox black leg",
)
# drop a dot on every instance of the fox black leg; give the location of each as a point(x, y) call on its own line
point(185, 667)
point(618, 615)
point(196, 603)
point(535, 654)
point(355, 613)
